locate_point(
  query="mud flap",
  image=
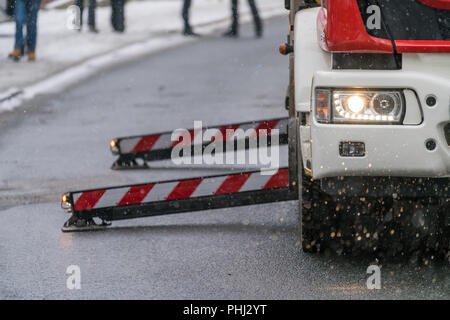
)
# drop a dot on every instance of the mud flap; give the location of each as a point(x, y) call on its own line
point(136, 151)
point(176, 196)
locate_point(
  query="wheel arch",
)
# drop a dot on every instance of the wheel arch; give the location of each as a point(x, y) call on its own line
point(309, 56)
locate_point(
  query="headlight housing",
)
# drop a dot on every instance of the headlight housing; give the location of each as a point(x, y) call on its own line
point(359, 106)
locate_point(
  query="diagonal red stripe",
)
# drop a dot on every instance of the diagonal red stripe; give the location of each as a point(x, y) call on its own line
point(88, 200)
point(135, 195)
point(224, 136)
point(146, 143)
point(184, 189)
point(181, 142)
point(266, 125)
point(233, 183)
point(278, 180)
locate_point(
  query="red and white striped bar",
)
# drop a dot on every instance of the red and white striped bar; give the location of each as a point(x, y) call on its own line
point(178, 190)
point(163, 141)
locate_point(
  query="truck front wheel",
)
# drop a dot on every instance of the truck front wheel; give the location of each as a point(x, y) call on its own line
point(387, 226)
point(317, 216)
point(341, 224)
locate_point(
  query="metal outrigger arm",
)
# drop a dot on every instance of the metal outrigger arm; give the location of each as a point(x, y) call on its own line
point(186, 195)
point(134, 152)
point(176, 196)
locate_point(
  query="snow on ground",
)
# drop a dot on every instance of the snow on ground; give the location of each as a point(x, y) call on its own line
point(65, 56)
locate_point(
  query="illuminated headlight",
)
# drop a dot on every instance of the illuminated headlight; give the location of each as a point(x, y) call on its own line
point(359, 106)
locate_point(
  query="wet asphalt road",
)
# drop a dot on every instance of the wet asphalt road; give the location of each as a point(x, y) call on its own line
point(60, 143)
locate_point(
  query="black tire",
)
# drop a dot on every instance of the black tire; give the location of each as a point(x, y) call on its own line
point(317, 216)
point(338, 224)
point(417, 228)
point(389, 228)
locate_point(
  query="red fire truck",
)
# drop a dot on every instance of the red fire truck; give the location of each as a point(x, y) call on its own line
point(368, 131)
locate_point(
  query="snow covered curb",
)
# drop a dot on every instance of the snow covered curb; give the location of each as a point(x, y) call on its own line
point(73, 73)
point(9, 94)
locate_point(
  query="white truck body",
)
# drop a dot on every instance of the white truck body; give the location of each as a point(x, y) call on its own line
point(391, 150)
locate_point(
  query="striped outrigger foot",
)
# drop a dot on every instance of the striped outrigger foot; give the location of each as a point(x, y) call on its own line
point(137, 150)
point(168, 197)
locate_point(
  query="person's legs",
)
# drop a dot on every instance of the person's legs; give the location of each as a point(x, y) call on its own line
point(256, 18)
point(10, 7)
point(121, 15)
point(21, 17)
point(233, 31)
point(32, 7)
point(235, 15)
point(118, 15)
point(185, 13)
point(91, 14)
point(80, 4)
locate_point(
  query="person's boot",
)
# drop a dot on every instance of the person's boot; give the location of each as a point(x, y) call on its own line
point(15, 55)
point(93, 29)
point(258, 25)
point(32, 56)
point(120, 28)
point(189, 32)
point(232, 33)
point(259, 30)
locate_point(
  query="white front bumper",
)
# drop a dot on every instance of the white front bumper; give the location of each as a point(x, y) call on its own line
point(391, 150)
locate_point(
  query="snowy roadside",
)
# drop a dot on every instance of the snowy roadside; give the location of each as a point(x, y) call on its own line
point(66, 56)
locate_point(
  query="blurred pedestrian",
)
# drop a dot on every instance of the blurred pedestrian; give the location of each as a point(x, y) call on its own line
point(10, 7)
point(91, 14)
point(26, 13)
point(234, 29)
point(118, 15)
point(185, 13)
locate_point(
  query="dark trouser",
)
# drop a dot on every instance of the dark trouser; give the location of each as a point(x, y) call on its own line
point(118, 15)
point(10, 7)
point(254, 9)
point(26, 12)
point(185, 13)
point(91, 13)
